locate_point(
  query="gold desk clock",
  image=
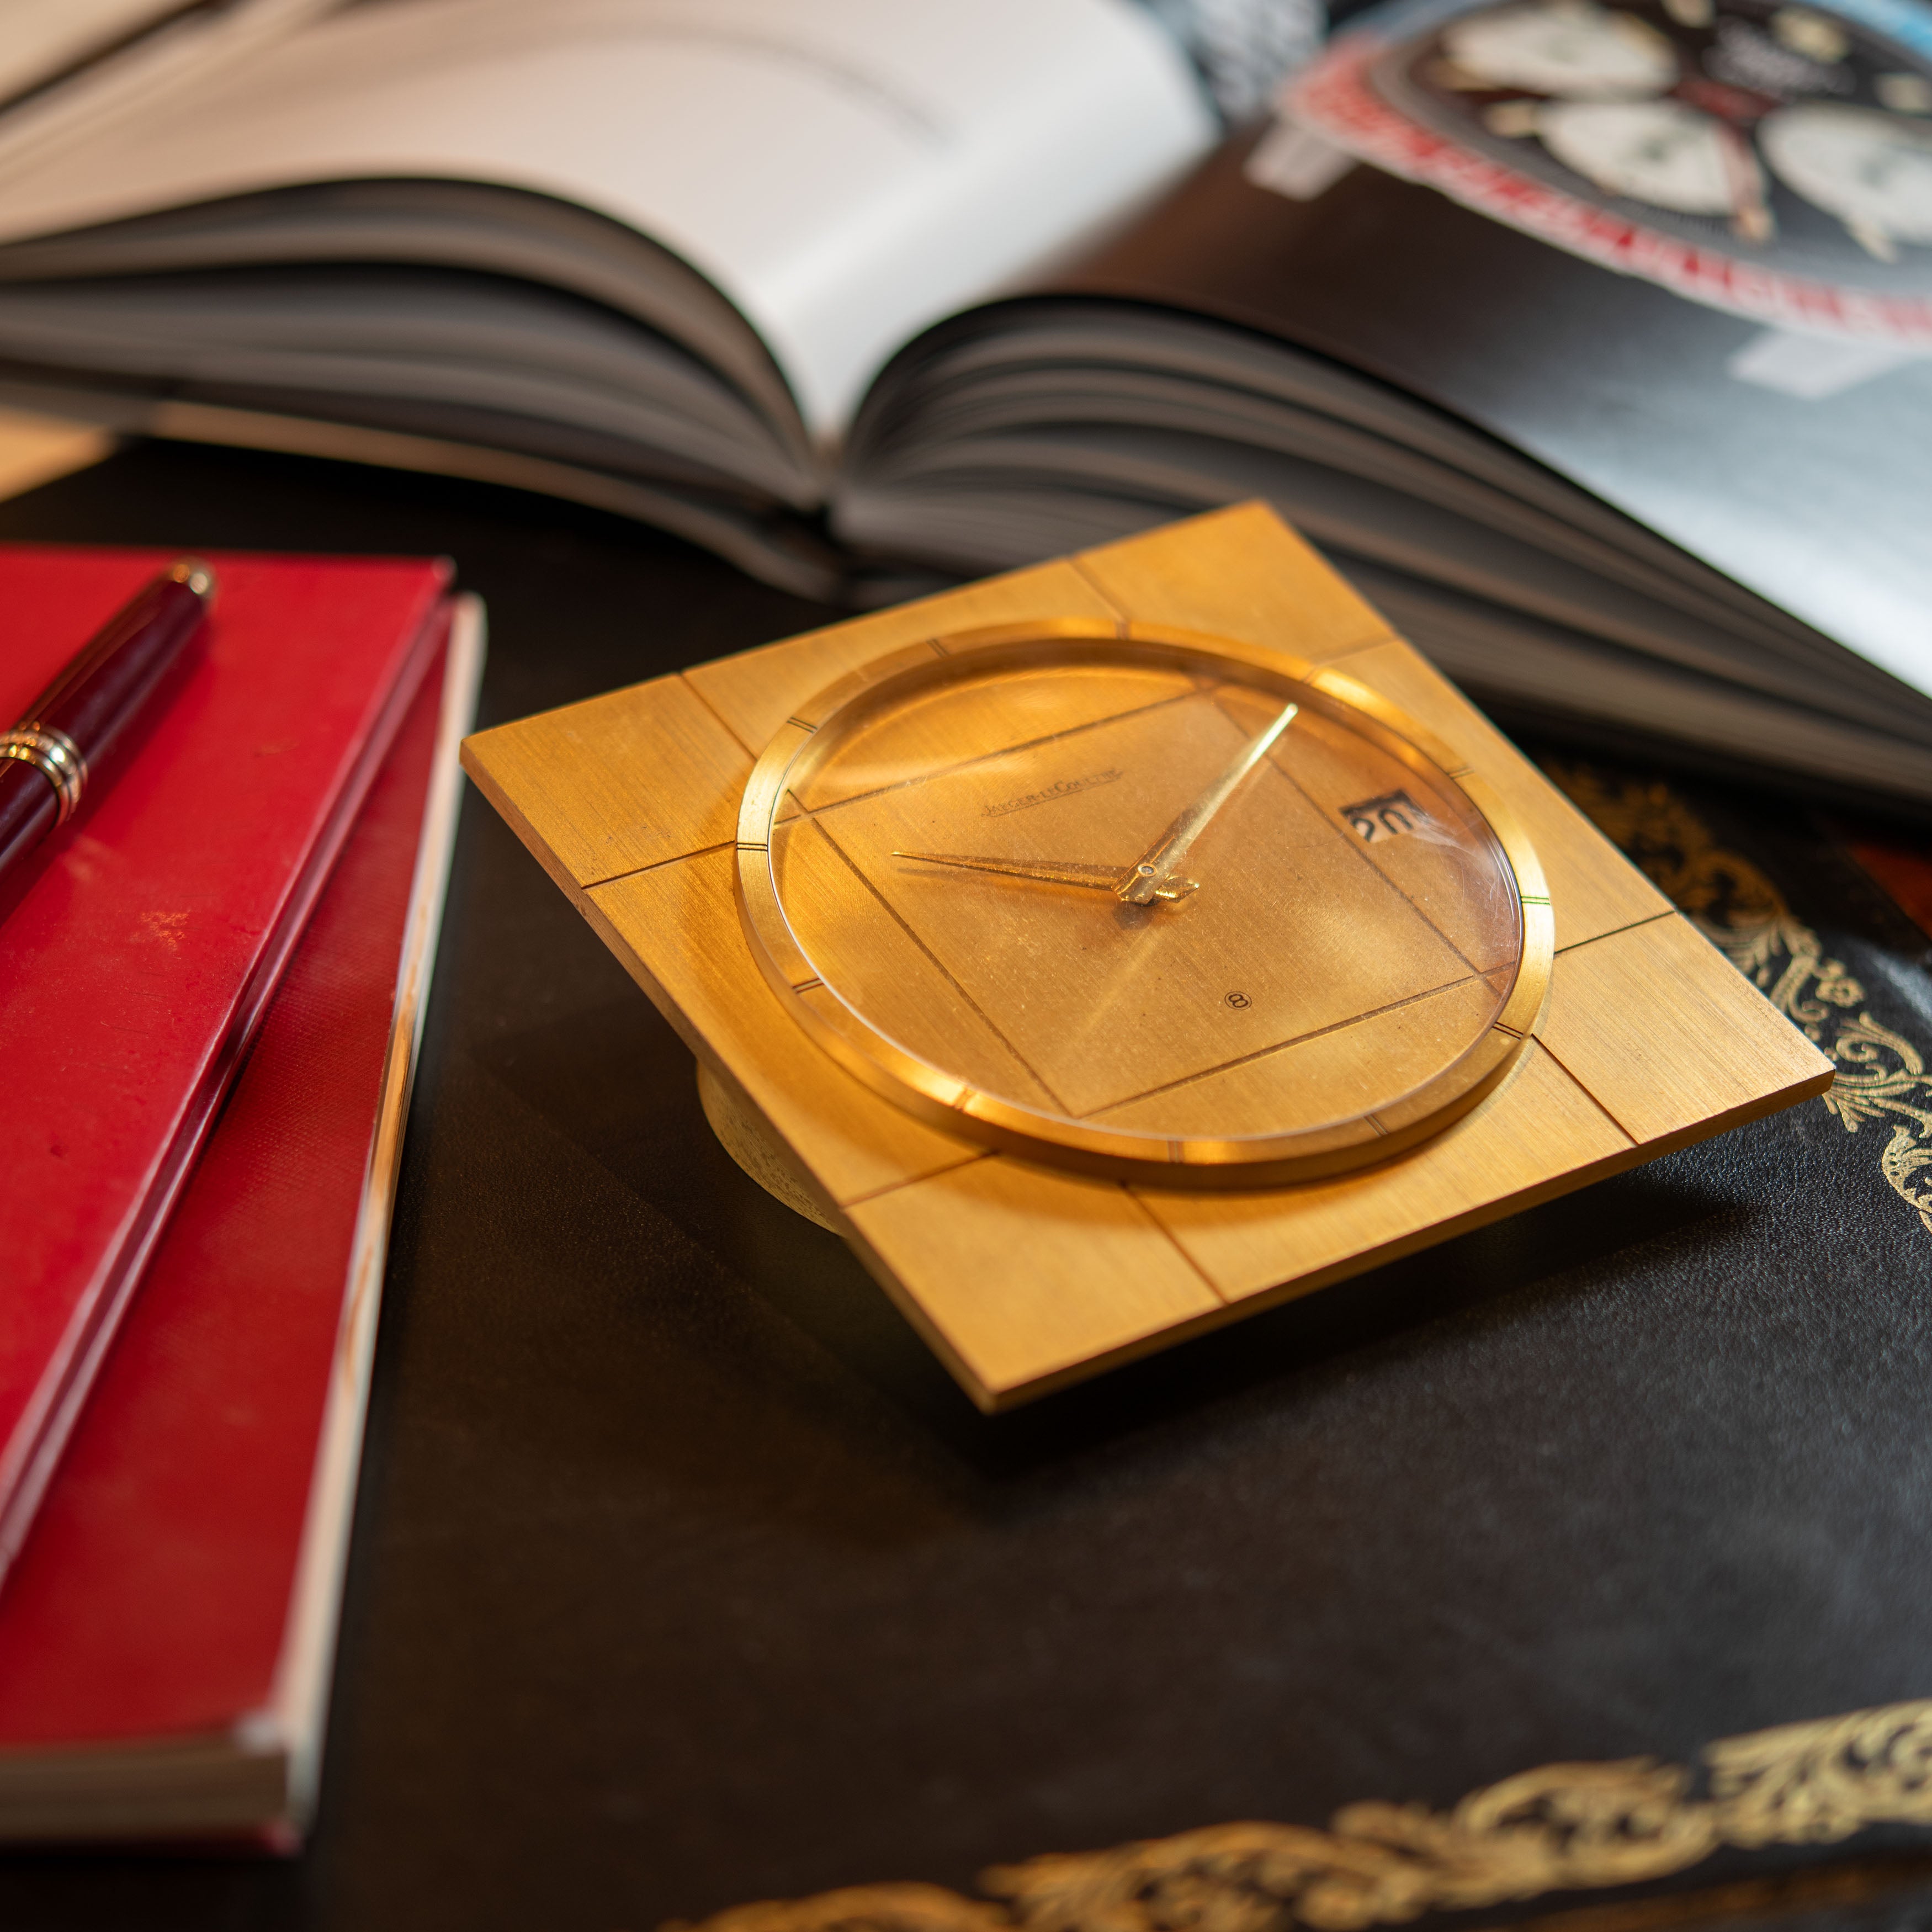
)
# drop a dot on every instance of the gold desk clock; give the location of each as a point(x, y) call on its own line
point(1114, 948)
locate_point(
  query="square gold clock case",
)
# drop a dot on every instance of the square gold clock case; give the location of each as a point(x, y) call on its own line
point(1111, 950)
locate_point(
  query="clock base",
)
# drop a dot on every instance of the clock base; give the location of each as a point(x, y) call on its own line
point(751, 1145)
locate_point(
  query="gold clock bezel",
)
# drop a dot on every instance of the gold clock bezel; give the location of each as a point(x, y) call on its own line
point(809, 735)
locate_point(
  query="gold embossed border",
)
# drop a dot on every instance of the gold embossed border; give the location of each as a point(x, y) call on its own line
point(1883, 1078)
point(1560, 1827)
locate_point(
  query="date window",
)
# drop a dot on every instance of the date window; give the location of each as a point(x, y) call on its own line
point(1387, 817)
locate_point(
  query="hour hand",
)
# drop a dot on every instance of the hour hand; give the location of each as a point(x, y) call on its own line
point(1052, 871)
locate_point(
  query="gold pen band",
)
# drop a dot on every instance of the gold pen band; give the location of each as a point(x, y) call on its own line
point(198, 576)
point(53, 754)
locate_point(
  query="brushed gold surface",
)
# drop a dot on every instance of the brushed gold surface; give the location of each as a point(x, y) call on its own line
point(1160, 864)
point(675, 930)
point(624, 781)
point(755, 691)
point(1592, 888)
point(1022, 1278)
point(1045, 716)
point(1665, 1044)
point(1539, 1135)
point(1358, 1060)
point(1065, 872)
point(1240, 573)
point(1026, 1275)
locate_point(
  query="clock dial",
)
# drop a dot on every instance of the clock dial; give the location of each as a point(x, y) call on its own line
point(1872, 169)
point(1659, 151)
point(1140, 905)
point(1580, 51)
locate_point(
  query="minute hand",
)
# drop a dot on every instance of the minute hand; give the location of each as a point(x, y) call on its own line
point(1142, 883)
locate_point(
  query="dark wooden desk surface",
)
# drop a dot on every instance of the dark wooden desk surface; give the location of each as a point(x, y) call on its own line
point(681, 1576)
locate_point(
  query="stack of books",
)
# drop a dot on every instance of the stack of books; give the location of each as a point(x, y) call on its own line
point(211, 980)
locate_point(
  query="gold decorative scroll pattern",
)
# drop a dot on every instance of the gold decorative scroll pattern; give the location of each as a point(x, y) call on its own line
point(1883, 1077)
point(1560, 1827)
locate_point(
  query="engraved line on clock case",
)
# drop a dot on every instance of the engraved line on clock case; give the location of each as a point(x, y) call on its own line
point(1283, 1045)
point(1001, 751)
point(1361, 849)
point(892, 912)
point(1473, 976)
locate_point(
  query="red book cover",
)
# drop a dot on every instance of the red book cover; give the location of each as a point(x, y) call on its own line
point(138, 960)
point(166, 1634)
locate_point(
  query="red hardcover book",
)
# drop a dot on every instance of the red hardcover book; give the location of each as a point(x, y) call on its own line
point(136, 965)
point(165, 1635)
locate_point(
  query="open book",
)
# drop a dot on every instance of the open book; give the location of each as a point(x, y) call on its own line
point(1589, 340)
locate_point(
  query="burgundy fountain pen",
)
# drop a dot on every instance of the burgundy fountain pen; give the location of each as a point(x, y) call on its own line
point(48, 760)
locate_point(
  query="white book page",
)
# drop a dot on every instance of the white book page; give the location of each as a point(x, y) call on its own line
point(845, 171)
point(130, 57)
point(39, 38)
